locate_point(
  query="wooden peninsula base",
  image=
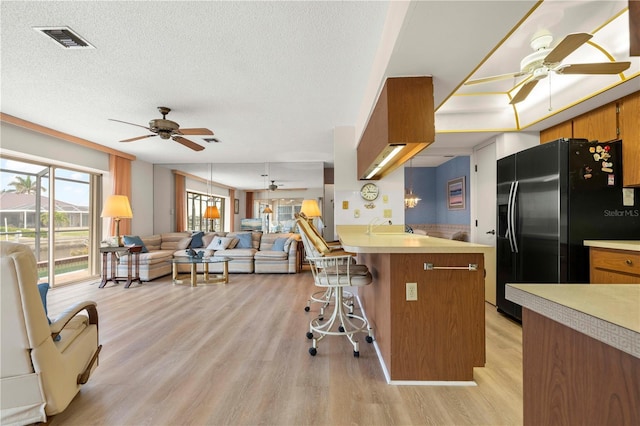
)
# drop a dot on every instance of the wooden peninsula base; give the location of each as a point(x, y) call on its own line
point(440, 337)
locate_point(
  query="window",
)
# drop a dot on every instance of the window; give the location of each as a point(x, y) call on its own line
point(196, 206)
point(35, 212)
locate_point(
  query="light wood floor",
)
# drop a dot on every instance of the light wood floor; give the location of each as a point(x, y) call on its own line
point(238, 355)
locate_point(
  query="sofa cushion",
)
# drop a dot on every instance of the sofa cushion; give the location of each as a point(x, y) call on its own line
point(134, 240)
point(152, 242)
point(149, 258)
point(183, 243)
point(237, 253)
point(271, 255)
point(170, 240)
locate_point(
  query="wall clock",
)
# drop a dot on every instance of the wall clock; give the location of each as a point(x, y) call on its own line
point(369, 191)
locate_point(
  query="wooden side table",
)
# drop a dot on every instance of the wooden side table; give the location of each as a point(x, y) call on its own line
point(133, 271)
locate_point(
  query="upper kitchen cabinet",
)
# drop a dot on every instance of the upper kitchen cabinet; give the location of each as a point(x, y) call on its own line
point(616, 120)
point(401, 125)
point(599, 124)
point(559, 131)
point(630, 134)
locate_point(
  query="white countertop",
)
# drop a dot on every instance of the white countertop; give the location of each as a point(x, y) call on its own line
point(354, 238)
point(609, 313)
point(614, 244)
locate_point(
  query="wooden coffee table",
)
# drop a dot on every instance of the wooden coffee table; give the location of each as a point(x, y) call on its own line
point(201, 277)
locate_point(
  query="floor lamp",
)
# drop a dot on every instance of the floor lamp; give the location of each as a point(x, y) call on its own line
point(117, 207)
point(267, 210)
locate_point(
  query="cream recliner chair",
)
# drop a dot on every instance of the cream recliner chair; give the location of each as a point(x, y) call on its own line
point(40, 374)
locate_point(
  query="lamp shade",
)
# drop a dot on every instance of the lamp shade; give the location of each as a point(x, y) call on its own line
point(117, 206)
point(310, 208)
point(267, 210)
point(212, 212)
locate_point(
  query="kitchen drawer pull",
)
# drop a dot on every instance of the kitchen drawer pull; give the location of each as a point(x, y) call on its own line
point(471, 267)
point(628, 262)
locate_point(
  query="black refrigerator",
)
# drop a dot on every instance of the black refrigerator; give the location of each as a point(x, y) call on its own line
point(551, 198)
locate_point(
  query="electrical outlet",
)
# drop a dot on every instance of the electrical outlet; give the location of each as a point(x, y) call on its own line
point(412, 291)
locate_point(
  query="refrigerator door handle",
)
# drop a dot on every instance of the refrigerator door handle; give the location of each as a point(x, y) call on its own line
point(512, 234)
point(509, 207)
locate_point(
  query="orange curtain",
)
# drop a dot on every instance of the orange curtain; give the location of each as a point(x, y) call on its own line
point(249, 204)
point(181, 203)
point(120, 171)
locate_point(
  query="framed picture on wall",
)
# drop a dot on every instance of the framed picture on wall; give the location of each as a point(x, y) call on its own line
point(236, 206)
point(456, 193)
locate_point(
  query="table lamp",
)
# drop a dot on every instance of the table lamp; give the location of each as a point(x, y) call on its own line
point(310, 209)
point(117, 207)
point(211, 213)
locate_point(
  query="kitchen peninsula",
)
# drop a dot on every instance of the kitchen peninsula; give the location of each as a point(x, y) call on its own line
point(439, 336)
point(580, 353)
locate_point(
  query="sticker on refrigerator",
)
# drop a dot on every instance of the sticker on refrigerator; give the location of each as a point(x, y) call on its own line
point(611, 179)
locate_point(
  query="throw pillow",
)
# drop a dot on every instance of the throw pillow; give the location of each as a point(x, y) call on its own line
point(183, 243)
point(134, 240)
point(219, 243)
point(43, 289)
point(244, 240)
point(208, 237)
point(196, 240)
point(234, 243)
point(278, 244)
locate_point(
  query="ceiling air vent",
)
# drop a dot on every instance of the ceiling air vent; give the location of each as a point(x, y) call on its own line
point(65, 37)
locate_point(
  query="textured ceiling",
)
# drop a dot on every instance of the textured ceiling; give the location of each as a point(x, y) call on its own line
point(271, 79)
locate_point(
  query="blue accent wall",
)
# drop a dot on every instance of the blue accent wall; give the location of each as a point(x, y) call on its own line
point(430, 184)
point(424, 187)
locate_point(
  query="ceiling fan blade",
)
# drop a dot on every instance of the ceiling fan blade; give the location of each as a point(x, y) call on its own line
point(196, 131)
point(494, 78)
point(597, 68)
point(138, 138)
point(186, 142)
point(126, 122)
point(524, 91)
point(566, 46)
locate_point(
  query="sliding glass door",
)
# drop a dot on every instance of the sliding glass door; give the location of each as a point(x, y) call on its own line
point(50, 209)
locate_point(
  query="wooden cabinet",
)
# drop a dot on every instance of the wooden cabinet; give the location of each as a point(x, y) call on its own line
point(608, 266)
point(441, 335)
point(616, 120)
point(629, 118)
point(601, 124)
point(559, 131)
point(403, 116)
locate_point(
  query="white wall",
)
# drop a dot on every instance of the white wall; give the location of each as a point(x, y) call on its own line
point(142, 179)
point(347, 186)
point(163, 189)
point(510, 143)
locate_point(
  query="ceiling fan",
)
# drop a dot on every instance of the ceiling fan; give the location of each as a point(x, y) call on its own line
point(543, 60)
point(168, 129)
point(273, 186)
